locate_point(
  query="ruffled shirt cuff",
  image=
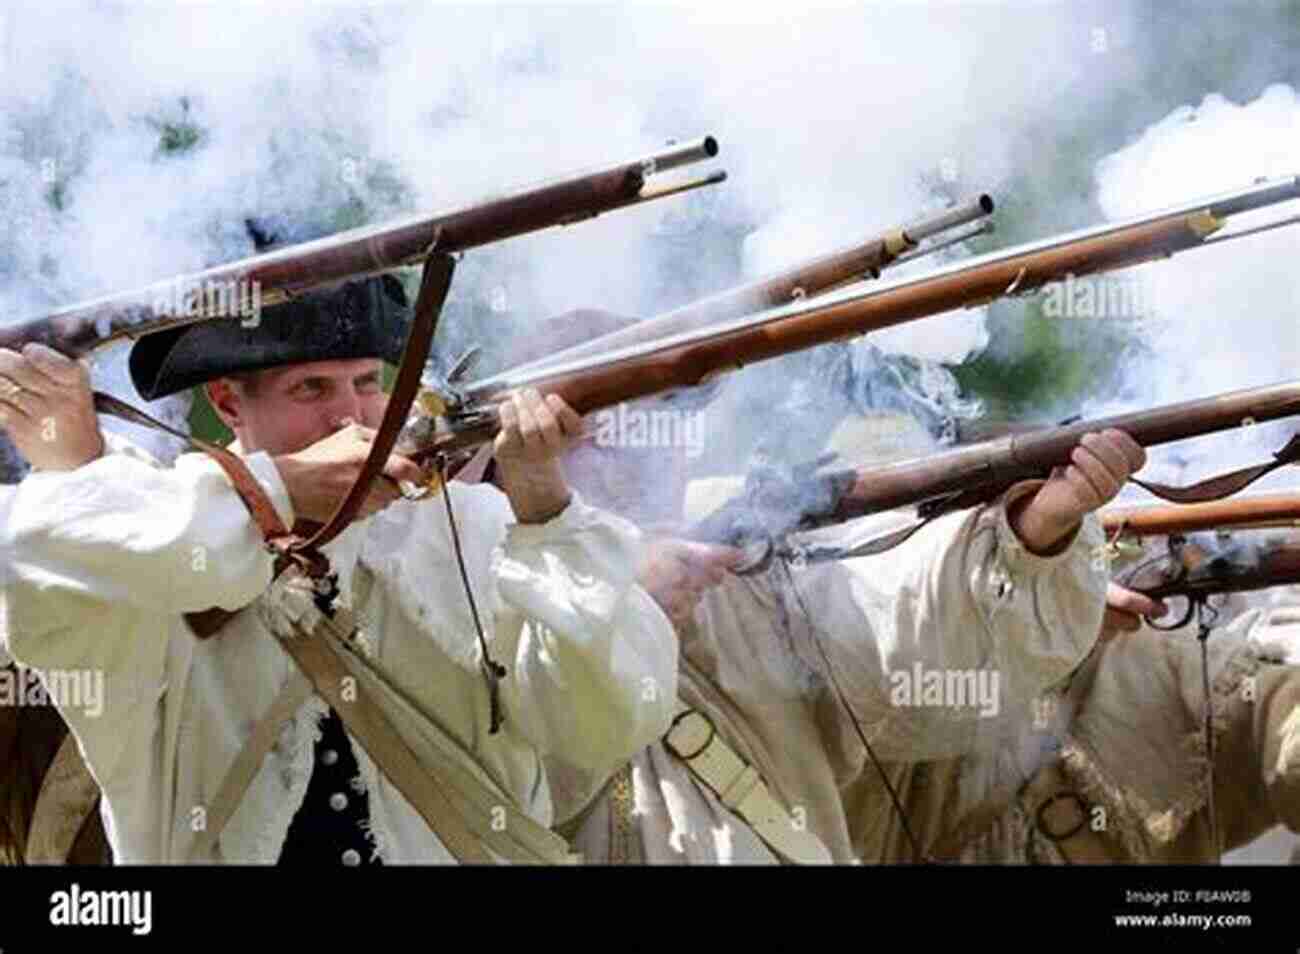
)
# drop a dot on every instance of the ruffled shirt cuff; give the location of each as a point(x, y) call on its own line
point(1018, 559)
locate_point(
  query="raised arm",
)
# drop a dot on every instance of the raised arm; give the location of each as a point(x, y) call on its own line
point(939, 642)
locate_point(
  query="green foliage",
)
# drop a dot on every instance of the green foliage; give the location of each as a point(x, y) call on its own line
point(1053, 365)
point(204, 423)
point(178, 135)
point(1237, 49)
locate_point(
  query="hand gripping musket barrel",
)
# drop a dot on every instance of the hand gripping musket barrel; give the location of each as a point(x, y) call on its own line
point(825, 273)
point(465, 417)
point(769, 511)
point(279, 275)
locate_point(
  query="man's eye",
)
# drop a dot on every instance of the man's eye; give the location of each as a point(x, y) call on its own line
point(368, 386)
point(307, 389)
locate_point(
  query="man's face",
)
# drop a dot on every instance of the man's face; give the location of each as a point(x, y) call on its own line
point(292, 407)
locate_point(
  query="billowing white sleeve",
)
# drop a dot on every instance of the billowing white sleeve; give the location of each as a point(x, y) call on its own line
point(121, 530)
point(99, 562)
point(947, 641)
point(595, 662)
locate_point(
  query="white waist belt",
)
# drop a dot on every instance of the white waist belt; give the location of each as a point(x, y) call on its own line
point(694, 740)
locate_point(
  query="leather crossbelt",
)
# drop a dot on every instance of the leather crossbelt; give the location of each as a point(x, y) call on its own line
point(300, 546)
point(472, 818)
point(694, 739)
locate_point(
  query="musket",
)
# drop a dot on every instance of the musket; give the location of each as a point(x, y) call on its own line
point(1202, 551)
point(1197, 568)
point(1253, 512)
point(278, 275)
point(866, 259)
point(460, 417)
point(771, 510)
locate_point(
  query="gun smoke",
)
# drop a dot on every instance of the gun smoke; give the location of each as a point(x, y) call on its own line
point(1218, 318)
point(135, 147)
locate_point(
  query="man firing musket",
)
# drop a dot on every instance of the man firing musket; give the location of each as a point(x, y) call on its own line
point(48, 415)
point(212, 750)
point(763, 736)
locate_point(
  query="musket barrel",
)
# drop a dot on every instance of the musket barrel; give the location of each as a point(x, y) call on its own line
point(819, 274)
point(1264, 193)
point(698, 354)
point(967, 283)
point(357, 253)
point(1000, 462)
point(1254, 512)
point(706, 147)
point(961, 214)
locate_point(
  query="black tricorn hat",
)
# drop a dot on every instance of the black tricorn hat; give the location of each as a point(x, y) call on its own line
point(369, 318)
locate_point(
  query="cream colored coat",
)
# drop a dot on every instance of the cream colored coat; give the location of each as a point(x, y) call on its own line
point(1131, 743)
point(765, 653)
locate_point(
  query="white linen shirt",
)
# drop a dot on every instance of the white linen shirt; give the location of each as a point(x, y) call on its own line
point(98, 565)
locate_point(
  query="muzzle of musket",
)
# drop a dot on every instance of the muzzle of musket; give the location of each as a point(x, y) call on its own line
point(960, 214)
point(706, 147)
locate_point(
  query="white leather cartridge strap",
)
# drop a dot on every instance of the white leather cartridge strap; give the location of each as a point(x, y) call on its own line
point(740, 787)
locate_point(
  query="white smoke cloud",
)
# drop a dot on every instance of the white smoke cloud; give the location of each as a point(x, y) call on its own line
point(834, 121)
point(1225, 317)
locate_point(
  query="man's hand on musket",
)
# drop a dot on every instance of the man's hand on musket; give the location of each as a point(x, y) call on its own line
point(1100, 465)
point(47, 409)
point(318, 477)
point(1125, 610)
point(676, 574)
point(535, 433)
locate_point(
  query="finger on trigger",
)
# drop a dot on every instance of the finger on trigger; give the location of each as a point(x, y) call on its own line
point(401, 468)
point(1118, 619)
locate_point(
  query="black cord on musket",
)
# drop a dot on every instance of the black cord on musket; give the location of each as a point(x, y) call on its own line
point(918, 857)
point(1205, 617)
point(493, 671)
